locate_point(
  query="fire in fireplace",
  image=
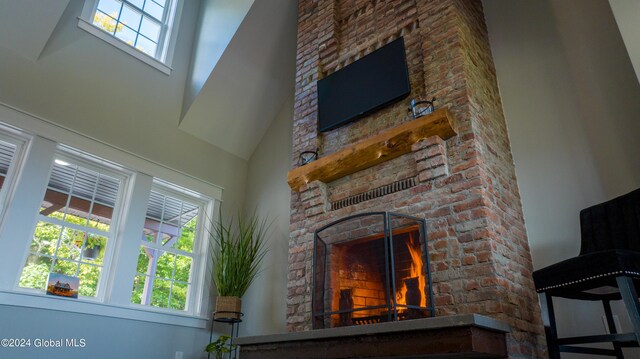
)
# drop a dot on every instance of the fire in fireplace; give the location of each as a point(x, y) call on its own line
point(371, 268)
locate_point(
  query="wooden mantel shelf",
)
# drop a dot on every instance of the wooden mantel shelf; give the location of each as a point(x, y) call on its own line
point(382, 147)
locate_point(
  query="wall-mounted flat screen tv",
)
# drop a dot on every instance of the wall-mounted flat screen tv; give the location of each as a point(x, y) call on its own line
point(364, 86)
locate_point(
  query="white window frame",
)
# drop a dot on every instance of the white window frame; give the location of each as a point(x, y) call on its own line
point(200, 243)
point(31, 173)
point(166, 43)
point(99, 165)
point(21, 141)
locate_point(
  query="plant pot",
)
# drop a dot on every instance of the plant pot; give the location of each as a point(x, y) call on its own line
point(228, 307)
point(92, 253)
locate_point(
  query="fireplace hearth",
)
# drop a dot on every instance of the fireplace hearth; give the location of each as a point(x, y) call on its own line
point(371, 268)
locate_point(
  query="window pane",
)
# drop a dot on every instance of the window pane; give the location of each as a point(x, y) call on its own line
point(127, 35)
point(165, 265)
point(155, 206)
point(130, 17)
point(94, 248)
point(110, 7)
point(154, 9)
point(147, 46)
point(167, 238)
point(137, 3)
point(138, 288)
point(76, 217)
point(183, 268)
point(98, 221)
point(45, 238)
point(171, 220)
point(54, 204)
point(179, 296)
point(62, 176)
point(187, 236)
point(89, 276)
point(143, 260)
point(149, 235)
point(65, 267)
point(172, 211)
point(72, 241)
point(162, 3)
point(105, 22)
point(160, 295)
point(150, 29)
point(108, 188)
point(7, 151)
point(35, 272)
point(104, 201)
point(84, 186)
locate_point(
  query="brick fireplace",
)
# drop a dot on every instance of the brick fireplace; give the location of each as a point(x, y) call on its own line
point(463, 184)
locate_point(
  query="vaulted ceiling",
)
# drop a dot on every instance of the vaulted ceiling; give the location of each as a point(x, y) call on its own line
point(248, 85)
point(241, 69)
point(28, 38)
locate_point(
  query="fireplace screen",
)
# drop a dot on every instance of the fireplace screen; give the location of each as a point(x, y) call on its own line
point(371, 268)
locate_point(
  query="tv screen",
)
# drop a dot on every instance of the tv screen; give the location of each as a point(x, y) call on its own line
point(364, 86)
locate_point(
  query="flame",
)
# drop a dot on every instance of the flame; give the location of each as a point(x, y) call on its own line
point(416, 271)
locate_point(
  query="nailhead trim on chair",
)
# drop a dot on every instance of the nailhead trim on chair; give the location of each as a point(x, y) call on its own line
point(637, 274)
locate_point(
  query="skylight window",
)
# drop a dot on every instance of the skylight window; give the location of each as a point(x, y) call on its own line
point(144, 25)
point(138, 23)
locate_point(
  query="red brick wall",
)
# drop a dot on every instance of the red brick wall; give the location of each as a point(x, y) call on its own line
point(361, 268)
point(466, 187)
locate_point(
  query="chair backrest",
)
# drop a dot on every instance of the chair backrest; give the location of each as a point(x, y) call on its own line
point(614, 224)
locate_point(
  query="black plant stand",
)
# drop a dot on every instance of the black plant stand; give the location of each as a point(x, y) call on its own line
point(235, 327)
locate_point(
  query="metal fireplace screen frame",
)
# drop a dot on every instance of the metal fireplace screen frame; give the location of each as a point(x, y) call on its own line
point(324, 294)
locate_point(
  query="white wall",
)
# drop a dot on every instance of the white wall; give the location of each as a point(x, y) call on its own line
point(269, 194)
point(570, 98)
point(105, 337)
point(627, 14)
point(218, 21)
point(82, 83)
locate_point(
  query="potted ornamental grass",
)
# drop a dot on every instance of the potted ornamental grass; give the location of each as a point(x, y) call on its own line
point(239, 248)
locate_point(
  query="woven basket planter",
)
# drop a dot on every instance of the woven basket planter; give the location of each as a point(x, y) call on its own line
point(228, 307)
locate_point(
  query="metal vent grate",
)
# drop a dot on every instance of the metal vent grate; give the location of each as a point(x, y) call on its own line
point(374, 193)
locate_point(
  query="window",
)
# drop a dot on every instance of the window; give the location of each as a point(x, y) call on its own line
point(137, 243)
point(10, 150)
point(144, 25)
point(75, 225)
point(168, 243)
point(7, 151)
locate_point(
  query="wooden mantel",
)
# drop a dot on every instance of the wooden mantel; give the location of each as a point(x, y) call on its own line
point(382, 147)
